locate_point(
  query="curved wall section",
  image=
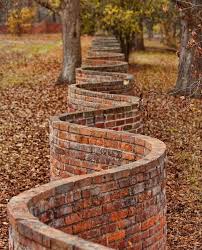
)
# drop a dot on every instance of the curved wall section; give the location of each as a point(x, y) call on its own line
point(106, 56)
point(108, 184)
point(102, 94)
point(119, 208)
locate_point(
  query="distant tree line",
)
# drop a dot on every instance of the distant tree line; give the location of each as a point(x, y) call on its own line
point(178, 22)
point(41, 13)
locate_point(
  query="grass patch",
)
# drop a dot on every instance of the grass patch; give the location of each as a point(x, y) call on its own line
point(19, 59)
point(151, 69)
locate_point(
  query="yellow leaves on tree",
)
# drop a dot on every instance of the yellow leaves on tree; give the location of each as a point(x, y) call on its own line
point(120, 20)
point(20, 20)
point(55, 4)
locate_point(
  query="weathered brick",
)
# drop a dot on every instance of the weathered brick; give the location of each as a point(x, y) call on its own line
point(115, 216)
point(72, 219)
point(116, 236)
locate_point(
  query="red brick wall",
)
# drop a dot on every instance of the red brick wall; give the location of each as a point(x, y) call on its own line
point(45, 27)
point(122, 208)
point(97, 94)
point(3, 29)
point(54, 28)
point(105, 48)
point(37, 28)
point(106, 56)
point(114, 195)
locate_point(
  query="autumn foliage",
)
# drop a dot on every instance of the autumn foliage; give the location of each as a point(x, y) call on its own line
point(20, 20)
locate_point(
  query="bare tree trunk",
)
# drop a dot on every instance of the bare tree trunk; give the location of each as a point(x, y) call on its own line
point(190, 65)
point(139, 43)
point(139, 39)
point(70, 17)
point(150, 33)
point(126, 46)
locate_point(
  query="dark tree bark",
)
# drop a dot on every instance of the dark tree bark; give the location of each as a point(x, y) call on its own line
point(189, 81)
point(126, 45)
point(138, 43)
point(69, 11)
point(140, 37)
point(185, 61)
point(149, 25)
point(70, 16)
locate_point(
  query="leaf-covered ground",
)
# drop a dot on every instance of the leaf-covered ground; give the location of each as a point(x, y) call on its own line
point(28, 97)
point(178, 122)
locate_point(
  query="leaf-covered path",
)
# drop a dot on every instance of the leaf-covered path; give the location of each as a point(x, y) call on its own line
point(28, 98)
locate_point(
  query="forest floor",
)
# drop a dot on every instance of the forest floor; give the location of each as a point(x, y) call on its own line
point(28, 97)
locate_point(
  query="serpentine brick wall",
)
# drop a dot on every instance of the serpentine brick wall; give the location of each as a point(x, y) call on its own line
point(114, 196)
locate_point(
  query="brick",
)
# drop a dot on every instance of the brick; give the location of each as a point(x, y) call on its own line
point(150, 222)
point(128, 156)
point(92, 212)
point(115, 216)
point(72, 219)
point(82, 226)
point(116, 236)
point(139, 188)
point(109, 228)
point(94, 233)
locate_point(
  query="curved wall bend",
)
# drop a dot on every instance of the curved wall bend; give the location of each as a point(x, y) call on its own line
point(108, 181)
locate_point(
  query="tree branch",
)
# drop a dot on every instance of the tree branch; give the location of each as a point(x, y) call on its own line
point(3, 4)
point(47, 4)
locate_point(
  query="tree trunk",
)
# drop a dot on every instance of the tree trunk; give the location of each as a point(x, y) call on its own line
point(125, 47)
point(139, 43)
point(150, 29)
point(139, 39)
point(190, 64)
point(169, 32)
point(70, 17)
